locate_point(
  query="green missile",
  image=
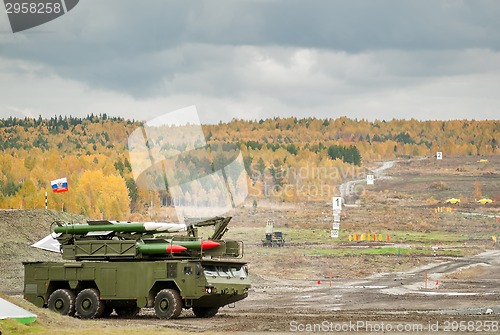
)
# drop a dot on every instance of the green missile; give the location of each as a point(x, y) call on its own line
point(159, 248)
point(198, 245)
point(175, 246)
point(120, 227)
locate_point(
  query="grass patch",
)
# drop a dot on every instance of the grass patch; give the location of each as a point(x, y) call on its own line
point(11, 327)
point(319, 235)
point(384, 251)
point(427, 237)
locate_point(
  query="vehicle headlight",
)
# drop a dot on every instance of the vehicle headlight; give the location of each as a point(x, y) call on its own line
point(210, 289)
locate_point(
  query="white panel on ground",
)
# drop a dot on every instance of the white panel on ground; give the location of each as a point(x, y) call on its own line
point(10, 311)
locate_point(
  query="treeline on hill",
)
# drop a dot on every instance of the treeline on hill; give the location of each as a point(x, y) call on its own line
point(287, 159)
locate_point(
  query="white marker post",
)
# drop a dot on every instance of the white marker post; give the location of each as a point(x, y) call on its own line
point(337, 204)
point(370, 179)
point(337, 208)
point(439, 155)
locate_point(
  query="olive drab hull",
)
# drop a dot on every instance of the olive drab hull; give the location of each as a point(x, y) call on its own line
point(137, 283)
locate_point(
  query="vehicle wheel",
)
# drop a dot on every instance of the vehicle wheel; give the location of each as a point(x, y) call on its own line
point(88, 304)
point(127, 312)
point(205, 312)
point(62, 301)
point(168, 304)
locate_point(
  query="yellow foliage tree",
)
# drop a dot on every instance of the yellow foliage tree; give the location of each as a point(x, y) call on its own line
point(101, 196)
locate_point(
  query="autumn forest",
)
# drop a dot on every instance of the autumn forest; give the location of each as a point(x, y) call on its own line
point(287, 159)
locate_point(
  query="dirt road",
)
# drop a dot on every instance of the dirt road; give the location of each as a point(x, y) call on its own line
point(348, 189)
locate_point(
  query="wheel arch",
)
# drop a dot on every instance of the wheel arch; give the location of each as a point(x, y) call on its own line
point(53, 286)
point(84, 284)
point(158, 286)
point(65, 284)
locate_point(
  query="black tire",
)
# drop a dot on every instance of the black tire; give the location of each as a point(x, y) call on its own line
point(62, 301)
point(205, 312)
point(127, 312)
point(168, 304)
point(88, 304)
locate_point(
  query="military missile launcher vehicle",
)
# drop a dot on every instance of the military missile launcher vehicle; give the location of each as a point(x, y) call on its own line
point(273, 238)
point(128, 266)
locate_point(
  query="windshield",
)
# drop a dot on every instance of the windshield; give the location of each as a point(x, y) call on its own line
point(239, 271)
point(210, 270)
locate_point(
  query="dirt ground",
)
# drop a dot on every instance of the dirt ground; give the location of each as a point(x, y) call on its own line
point(438, 273)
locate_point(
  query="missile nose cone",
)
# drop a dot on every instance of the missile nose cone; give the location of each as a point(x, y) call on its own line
point(175, 248)
point(209, 245)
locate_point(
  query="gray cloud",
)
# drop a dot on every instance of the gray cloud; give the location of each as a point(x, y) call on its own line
point(259, 58)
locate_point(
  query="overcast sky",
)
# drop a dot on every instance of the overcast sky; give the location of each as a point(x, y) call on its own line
point(377, 59)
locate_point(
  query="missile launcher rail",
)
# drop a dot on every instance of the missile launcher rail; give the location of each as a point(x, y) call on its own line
point(115, 241)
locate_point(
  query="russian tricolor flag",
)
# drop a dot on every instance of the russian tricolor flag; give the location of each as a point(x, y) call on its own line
point(59, 185)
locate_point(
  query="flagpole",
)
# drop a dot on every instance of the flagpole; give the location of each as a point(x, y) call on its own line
point(46, 200)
